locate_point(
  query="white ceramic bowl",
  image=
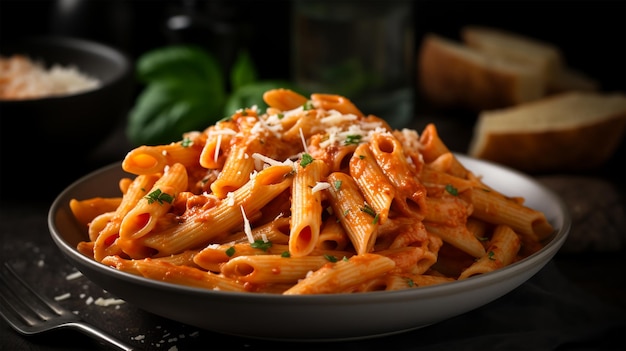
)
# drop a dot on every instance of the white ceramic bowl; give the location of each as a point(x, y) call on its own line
point(311, 317)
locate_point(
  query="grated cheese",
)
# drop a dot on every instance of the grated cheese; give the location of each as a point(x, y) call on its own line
point(270, 161)
point(320, 186)
point(23, 78)
point(73, 276)
point(246, 226)
point(230, 198)
point(303, 140)
point(62, 297)
point(216, 155)
point(335, 117)
point(338, 135)
point(296, 111)
point(220, 133)
point(108, 302)
point(262, 124)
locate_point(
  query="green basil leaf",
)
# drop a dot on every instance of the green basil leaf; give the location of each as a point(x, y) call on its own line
point(165, 111)
point(180, 62)
point(243, 71)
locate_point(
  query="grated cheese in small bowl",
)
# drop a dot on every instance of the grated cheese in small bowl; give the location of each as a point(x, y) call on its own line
point(23, 78)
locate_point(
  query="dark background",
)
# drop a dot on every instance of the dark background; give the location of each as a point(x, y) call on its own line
point(591, 34)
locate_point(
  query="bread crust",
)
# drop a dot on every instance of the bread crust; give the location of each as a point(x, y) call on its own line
point(452, 75)
point(566, 148)
point(515, 47)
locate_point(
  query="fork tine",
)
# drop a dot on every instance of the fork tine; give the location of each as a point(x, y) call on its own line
point(28, 312)
point(12, 309)
point(27, 299)
point(21, 306)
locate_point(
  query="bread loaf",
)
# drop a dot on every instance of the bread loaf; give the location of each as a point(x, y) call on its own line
point(546, 56)
point(567, 131)
point(516, 48)
point(454, 75)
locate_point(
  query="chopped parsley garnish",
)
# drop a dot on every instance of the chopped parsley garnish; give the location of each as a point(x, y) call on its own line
point(367, 209)
point(330, 258)
point(280, 115)
point(370, 211)
point(260, 244)
point(285, 254)
point(353, 139)
point(337, 184)
point(362, 157)
point(491, 255)
point(159, 197)
point(186, 142)
point(306, 160)
point(410, 282)
point(230, 251)
point(452, 190)
point(308, 105)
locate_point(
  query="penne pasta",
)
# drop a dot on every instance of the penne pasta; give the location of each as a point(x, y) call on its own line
point(357, 218)
point(311, 196)
point(332, 236)
point(271, 268)
point(140, 220)
point(388, 153)
point(373, 183)
point(459, 237)
point(86, 210)
point(342, 275)
point(433, 147)
point(494, 208)
point(218, 221)
point(501, 252)
point(153, 159)
point(177, 274)
point(306, 207)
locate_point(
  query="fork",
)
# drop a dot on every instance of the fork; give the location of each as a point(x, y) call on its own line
point(30, 313)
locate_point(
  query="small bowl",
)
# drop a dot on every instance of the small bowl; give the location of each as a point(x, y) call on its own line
point(57, 132)
point(329, 317)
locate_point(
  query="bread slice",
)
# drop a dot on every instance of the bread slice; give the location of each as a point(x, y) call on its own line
point(453, 75)
point(567, 131)
point(547, 57)
point(515, 47)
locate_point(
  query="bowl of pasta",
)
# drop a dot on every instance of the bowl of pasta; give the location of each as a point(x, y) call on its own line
point(306, 210)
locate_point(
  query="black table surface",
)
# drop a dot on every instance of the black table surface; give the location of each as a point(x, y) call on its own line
point(576, 302)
